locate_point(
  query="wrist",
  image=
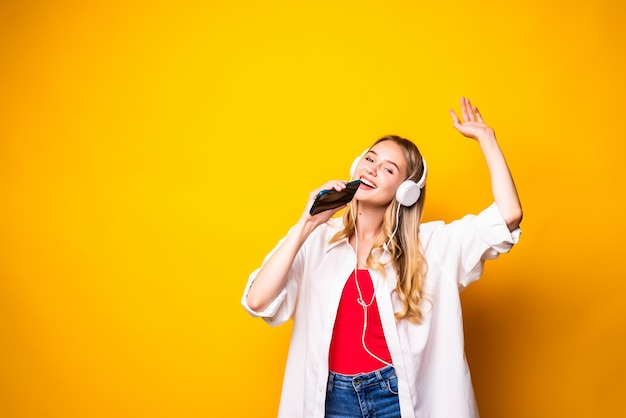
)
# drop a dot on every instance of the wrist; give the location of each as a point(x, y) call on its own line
point(488, 141)
point(487, 136)
point(305, 226)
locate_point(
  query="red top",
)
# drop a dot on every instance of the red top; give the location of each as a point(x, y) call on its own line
point(347, 355)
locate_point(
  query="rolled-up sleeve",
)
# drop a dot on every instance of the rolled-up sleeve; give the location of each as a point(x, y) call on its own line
point(461, 247)
point(271, 309)
point(495, 239)
point(492, 227)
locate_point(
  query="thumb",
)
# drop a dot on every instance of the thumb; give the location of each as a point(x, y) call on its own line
point(455, 118)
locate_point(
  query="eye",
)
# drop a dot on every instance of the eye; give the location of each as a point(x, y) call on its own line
point(370, 159)
point(388, 170)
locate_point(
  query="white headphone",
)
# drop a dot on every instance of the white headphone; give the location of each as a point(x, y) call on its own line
point(408, 192)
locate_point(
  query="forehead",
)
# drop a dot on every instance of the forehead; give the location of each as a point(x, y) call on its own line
point(389, 150)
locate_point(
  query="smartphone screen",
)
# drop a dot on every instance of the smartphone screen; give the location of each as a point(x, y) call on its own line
point(331, 199)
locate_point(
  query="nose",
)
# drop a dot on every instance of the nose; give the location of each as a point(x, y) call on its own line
point(371, 170)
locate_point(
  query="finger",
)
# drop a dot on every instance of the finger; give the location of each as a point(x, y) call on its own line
point(479, 117)
point(464, 110)
point(470, 111)
point(455, 118)
point(456, 122)
point(337, 185)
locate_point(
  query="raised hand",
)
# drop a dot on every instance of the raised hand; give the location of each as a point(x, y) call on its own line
point(502, 185)
point(471, 125)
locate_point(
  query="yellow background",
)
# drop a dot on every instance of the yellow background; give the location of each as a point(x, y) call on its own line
point(151, 153)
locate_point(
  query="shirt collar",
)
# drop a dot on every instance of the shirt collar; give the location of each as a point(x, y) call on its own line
point(334, 226)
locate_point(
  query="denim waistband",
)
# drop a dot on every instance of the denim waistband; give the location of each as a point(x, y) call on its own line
point(361, 379)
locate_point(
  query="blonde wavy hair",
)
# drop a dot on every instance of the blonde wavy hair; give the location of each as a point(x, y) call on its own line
point(405, 247)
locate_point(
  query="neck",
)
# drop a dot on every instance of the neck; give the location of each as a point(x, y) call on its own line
point(369, 222)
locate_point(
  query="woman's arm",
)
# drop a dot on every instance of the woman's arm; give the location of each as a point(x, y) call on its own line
point(272, 276)
point(502, 185)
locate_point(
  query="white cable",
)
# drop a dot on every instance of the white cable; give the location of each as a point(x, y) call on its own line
point(360, 300)
point(394, 231)
point(363, 338)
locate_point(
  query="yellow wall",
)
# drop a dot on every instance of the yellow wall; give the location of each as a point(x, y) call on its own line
point(151, 154)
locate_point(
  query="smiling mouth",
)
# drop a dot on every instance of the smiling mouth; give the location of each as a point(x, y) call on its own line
point(368, 184)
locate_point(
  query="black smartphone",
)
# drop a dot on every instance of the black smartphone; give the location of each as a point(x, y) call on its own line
point(331, 199)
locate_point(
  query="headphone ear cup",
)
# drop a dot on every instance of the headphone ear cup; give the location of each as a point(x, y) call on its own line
point(408, 193)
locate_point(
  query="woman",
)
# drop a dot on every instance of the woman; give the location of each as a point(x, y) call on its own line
point(388, 341)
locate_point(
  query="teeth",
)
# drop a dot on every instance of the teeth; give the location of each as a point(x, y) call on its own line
point(367, 183)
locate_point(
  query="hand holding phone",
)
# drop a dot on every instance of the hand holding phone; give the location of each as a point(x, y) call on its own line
point(331, 199)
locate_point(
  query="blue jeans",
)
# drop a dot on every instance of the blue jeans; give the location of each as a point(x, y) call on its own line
point(363, 395)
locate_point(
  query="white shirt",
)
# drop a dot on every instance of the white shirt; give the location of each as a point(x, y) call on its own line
point(429, 359)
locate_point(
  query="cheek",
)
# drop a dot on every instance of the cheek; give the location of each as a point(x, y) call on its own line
point(391, 188)
point(355, 170)
point(395, 184)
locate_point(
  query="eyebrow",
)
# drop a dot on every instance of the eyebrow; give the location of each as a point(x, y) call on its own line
point(389, 161)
